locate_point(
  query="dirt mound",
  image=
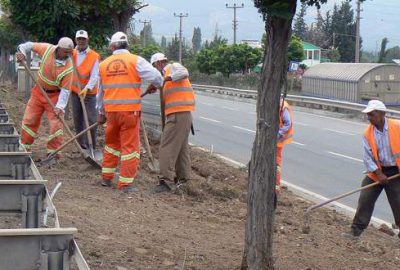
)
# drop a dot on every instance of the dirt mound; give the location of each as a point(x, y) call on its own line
point(198, 227)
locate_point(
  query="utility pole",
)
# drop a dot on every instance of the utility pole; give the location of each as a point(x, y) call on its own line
point(358, 18)
point(145, 23)
point(181, 16)
point(234, 19)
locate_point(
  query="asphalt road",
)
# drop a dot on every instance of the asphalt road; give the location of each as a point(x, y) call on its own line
point(325, 156)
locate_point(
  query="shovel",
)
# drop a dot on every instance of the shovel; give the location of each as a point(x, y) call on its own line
point(306, 227)
point(154, 165)
point(88, 158)
point(85, 116)
point(52, 155)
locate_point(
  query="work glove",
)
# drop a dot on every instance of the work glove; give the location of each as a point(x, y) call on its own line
point(59, 112)
point(151, 89)
point(20, 56)
point(101, 119)
point(83, 92)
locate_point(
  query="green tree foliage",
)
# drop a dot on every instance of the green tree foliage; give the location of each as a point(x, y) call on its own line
point(172, 51)
point(295, 50)
point(300, 27)
point(146, 35)
point(145, 52)
point(228, 59)
point(48, 20)
point(383, 52)
point(392, 53)
point(206, 61)
point(9, 35)
point(163, 43)
point(196, 39)
point(216, 42)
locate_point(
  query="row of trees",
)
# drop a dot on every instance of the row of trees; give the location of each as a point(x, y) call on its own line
point(47, 20)
point(334, 32)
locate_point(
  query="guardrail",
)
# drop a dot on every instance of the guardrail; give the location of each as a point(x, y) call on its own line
point(304, 101)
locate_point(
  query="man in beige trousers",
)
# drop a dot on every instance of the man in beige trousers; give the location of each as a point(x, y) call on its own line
point(179, 102)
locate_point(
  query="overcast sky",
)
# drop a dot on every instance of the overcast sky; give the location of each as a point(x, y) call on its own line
point(380, 18)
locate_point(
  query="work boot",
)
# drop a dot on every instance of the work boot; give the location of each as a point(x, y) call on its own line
point(179, 182)
point(106, 183)
point(352, 234)
point(128, 189)
point(162, 186)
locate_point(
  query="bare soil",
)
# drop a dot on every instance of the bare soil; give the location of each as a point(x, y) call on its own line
point(199, 227)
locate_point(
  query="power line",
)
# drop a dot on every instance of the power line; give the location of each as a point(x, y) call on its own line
point(358, 18)
point(234, 19)
point(145, 23)
point(181, 16)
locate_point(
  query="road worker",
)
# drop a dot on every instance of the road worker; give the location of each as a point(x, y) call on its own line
point(381, 143)
point(179, 102)
point(285, 134)
point(119, 104)
point(86, 61)
point(54, 76)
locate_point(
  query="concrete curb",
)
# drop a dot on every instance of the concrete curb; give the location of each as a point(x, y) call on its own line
point(306, 194)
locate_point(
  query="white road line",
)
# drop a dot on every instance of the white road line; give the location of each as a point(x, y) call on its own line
point(340, 132)
point(209, 119)
point(230, 108)
point(327, 117)
point(246, 129)
point(297, 143)
point(205, 103)
point(344, 156)
point(300, 124)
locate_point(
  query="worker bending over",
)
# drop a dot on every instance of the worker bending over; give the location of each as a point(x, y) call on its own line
point(54, 76)
point(381, 145)
point(178, 103)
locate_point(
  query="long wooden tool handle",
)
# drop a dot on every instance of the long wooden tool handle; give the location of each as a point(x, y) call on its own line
point(52, 105)
point(146, 140)
point(74, 138)
point(348, 193)
point(82, 100)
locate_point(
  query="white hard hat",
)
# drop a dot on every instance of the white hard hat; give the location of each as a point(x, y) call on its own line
point(65, 43)
point(81, 34)
point(119, 37)
point(375, 105)
point(157, 57)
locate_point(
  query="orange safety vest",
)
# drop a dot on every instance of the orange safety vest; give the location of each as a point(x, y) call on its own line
point(286, 138)
point(121, 83)
point(50, 75)
point(394, 141)
point(84, 70)
point(178, 96)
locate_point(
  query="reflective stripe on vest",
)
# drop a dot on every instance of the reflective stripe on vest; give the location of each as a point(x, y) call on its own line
point(48, 51)
point(178, 96)
point(394, 141)
point(179, 103)
point(286, 138)
point(84, 70)
point(121, 83)
point(122, 101)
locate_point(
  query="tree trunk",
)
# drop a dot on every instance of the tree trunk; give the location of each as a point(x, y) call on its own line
point(262, 168)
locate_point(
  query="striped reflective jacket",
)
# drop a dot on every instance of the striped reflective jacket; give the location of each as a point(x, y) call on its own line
point(287, 137)
point(121, 83)
point(178, 96)
point(84, 70)
point(52, 76)
point(394, 141)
